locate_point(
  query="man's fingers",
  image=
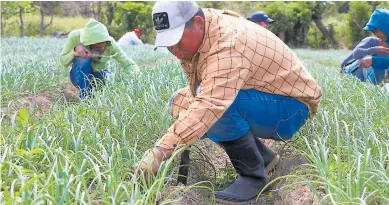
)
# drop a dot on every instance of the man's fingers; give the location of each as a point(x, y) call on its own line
point(141, 170)
point(361, 64)
point(365, 63)
point(384, 50)
point(84, 54)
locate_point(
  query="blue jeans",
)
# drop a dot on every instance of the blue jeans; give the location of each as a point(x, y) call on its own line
point(370, 74)
point(82, 76)
point(268, 116)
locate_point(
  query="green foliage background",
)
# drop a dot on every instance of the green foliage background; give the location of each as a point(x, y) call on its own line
point(295, 20)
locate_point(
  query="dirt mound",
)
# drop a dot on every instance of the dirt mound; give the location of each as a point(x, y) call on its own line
point(40, 103)
point(299, 194)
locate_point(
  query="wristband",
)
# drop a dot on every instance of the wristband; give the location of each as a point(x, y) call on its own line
point(161, 150)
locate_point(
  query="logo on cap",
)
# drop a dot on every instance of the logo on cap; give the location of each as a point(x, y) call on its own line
point(161, 21)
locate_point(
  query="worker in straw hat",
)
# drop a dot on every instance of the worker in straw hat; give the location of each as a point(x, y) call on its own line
point(88, 50)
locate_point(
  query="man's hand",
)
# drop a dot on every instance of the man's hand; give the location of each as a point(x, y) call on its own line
point(366, 62)
point(82, 51)
point(152, 161)
point(383, 50)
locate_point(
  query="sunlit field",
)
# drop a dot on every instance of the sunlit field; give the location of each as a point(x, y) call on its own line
point(83, 152)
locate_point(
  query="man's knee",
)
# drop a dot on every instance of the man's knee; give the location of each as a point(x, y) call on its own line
point(287, 128)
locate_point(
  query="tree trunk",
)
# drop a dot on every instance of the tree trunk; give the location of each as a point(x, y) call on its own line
point(299, 37)
point(110, 13)
point(145, 35)
point(3, 24)
point(51, 21)
point(93, 10)
point(305, 36)
point(42, 27)
point(21, 21)
point(281, 35)
point(325, 32)
point(86, 8)
point(99, 11)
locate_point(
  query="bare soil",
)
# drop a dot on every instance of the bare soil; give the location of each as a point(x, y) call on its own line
point(40, 103)
point(296, 195)
point(210, 160)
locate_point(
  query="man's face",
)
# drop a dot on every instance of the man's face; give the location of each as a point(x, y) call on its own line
point(382, 43)
point(190, 41)
point(263, 24)
point(99, 46)
point(379, 34)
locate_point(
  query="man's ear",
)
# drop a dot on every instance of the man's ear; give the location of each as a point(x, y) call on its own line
point(198, 21)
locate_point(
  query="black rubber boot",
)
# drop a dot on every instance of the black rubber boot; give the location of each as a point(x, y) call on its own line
point(270, 158)
point(248, 163)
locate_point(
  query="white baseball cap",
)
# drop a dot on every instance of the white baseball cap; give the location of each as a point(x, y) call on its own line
point(169, 18)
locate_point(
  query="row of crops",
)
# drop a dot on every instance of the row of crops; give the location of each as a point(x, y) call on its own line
point(82, 153)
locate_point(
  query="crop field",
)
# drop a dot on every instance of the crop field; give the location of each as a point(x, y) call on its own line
point(64, 151)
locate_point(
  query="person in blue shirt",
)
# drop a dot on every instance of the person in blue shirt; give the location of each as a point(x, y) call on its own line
point(261, 19)
point(369, 61)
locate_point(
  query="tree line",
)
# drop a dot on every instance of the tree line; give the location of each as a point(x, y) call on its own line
point(316, 24)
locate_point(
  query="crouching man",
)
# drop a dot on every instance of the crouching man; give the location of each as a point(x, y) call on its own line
point(244, 84)
point(88, 50)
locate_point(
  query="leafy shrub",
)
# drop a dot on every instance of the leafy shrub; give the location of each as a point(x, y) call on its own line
point(283, 14)
point(315, 37)
point(357, 17)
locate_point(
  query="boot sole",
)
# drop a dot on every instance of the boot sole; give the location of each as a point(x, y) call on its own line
point(231, 202)
point(270, 167)
point(225, 201)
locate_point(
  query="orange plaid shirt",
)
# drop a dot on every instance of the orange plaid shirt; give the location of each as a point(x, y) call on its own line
point(235, 54)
